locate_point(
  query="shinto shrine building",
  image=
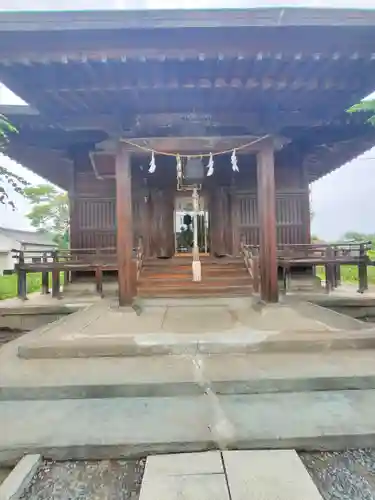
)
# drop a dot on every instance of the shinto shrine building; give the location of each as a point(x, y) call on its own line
point(188, 129)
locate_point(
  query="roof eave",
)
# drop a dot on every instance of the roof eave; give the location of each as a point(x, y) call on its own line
point(194, 18)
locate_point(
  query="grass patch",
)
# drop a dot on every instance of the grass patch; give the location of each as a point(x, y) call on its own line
point(349, 274)
point(8, 284)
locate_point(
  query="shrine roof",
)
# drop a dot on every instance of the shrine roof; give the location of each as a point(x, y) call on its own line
point(93, 75)
point(183, 18)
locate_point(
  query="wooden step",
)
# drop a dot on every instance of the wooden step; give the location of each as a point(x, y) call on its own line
point(206, 280)
point(197, 292)
point(187, 261)
point(193, 285)
point(173, 277)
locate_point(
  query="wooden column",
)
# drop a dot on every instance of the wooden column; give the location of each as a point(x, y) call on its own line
point(124, 223)
point(267, 224)
point(306, 214)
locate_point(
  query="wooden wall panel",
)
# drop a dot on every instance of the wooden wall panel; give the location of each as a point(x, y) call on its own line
point(161, 210)
point(233, 209)
point(290, 207)
point(94, 202)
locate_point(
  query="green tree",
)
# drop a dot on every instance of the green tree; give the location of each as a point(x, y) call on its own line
point(50, 211)
point(360, 237)
point(367, 106)
point(7, 177)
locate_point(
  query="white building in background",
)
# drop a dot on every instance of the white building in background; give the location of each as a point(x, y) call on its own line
point(13, 239)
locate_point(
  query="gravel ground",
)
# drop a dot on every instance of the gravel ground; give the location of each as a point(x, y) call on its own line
point(346, 475)
point(104, 480)
point(338, 476)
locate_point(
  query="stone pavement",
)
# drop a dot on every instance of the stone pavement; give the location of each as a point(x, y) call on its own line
point(135, 427)
point(228, 475)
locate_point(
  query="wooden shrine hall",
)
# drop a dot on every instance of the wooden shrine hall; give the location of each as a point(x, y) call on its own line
point(188, 136)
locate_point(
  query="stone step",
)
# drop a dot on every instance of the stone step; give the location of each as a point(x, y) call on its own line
point(188, 344)
point(158, 376)
point(130, 427)
point(228, 475)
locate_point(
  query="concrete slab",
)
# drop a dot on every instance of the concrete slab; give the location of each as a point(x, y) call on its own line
point(187, 487)
point(129, 427)
point(208, 462)
point(18, 480)
point(281, 317)
point(199, 320)
point(191, 476)
point(268, 475)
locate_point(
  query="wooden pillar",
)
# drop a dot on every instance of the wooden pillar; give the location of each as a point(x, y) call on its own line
point(21, 277)
point(306, 209)
point(124, 218)
point(234, 222)
point(74, 223)
point(267, 224)
point(55, 276)
point(45, 276)
point(362, 269)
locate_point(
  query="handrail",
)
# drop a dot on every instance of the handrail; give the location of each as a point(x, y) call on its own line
point(139, 257)
point(251, 259)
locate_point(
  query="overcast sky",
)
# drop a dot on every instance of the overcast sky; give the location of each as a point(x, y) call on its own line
point(341, 201)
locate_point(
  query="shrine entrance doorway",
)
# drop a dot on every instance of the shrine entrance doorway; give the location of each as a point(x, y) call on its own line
point(185, 219)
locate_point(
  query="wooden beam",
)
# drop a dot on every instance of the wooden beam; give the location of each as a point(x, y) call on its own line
point(295, 82)
point(126, 275)
point(267, 223)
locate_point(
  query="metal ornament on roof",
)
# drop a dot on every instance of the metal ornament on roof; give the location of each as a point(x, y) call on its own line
point(210, 166)
point(233, 160)
point(152, 164)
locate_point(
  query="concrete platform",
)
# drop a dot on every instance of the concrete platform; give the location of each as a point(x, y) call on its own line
point(135, 427)
point(207, 326)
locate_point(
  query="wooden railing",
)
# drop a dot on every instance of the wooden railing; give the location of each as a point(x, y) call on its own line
point(251, 258)
point(139, 257)
point(67, 261)
point(330, 256)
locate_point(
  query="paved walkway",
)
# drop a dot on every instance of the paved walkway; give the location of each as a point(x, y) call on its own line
point(228, 475)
